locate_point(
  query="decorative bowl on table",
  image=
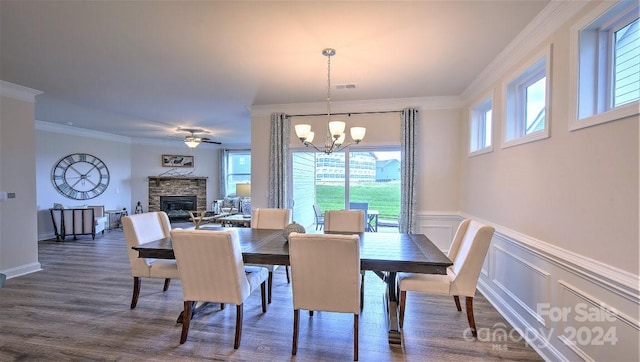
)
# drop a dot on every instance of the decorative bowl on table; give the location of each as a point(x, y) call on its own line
point(293, 227)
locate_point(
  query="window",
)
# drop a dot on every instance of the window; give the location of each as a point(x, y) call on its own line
point(237, 169)
point(605, 65)
point(369, 176)
point(527, 101)
point(480, 132)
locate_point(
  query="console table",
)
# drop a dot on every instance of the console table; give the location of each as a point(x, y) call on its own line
point(115, 218)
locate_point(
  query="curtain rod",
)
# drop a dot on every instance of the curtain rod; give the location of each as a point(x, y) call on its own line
point(339, 114)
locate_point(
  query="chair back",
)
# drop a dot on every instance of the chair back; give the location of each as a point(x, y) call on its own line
point(270, 218)
point(141, 228)
point(468, 256)
point(325, 272)
point(318, 212)
point(457, 239)
point(351, 221)
point(210, 265)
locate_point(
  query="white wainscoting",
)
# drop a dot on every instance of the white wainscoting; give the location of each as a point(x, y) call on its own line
point(566, 306)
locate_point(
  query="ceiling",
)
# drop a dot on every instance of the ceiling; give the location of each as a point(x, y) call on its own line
point(141, 69)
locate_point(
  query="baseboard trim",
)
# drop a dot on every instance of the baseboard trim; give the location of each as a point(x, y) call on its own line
point(22, 270)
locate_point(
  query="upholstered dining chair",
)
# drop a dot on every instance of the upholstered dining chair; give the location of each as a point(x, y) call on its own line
point(139, 229)
point(211, 270)
point(271, 218)
point(318, 288)
point(468, 250)
point(347, 221)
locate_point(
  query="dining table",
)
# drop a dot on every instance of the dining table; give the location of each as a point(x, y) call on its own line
point(386, 254)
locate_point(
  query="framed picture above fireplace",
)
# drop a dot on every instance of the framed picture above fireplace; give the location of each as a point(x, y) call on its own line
point(177, 161)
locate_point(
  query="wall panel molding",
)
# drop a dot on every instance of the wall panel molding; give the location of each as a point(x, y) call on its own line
point(525, 278)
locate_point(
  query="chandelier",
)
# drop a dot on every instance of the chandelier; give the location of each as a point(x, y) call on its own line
point(335, 129)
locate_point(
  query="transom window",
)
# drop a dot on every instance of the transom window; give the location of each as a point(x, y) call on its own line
point(480, 132)
point(527, 101)
point(605, 64)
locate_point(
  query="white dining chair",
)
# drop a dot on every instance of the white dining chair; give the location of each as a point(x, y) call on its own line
point(347, 221)
point(467, 251)
point(271, 218)
point(211, 270)
point(318, 288)
point(139, 229)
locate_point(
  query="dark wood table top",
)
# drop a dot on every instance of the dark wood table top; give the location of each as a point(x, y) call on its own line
point(392, 252)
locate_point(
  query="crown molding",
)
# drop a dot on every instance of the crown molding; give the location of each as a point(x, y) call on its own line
point(82, 132)
point(555, 15)
point(18, 92)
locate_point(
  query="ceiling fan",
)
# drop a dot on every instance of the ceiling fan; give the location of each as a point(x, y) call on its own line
point(192, 141)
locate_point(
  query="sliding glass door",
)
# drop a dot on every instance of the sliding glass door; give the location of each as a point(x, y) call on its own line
point(363, 179)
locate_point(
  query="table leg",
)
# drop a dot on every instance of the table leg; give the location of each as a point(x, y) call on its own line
point(391, 303)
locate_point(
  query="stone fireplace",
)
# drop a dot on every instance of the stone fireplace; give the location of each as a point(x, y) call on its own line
point(176, 195)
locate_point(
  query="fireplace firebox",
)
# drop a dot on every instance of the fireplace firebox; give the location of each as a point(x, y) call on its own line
point(178, 207)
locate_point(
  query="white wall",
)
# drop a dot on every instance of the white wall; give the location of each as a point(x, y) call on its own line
point(54, 142)
point(18, 238)
point(566, 216)
point(146, 158)
point(130, 165)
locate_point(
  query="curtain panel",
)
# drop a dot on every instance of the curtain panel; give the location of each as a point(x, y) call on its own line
point(223, 172)
point(278, 162)
point(408, 182)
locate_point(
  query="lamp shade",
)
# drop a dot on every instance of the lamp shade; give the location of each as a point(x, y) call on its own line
point(336, 128)
point(302, 130)
point(243, 190)
point(357, 133)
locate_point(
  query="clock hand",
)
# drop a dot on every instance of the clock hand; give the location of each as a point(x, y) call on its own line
point(91, 169)
point(73, 168)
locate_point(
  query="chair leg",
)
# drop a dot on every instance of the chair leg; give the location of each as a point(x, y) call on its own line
point(270, 285)
point(472, 322)
point(355, 337)
point(136, 292)
point(186, 320)
point(263, 297)
point(166, 284)
point(457, 300)
point(286, 269)
point(403, 301)
point(310, 313)
point(239, 309)
point(296, 322)
point(362, 290)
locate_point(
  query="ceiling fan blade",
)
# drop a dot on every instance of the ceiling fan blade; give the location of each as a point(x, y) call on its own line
point(208, 140)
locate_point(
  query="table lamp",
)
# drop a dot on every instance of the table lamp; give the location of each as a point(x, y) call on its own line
point(244, 192)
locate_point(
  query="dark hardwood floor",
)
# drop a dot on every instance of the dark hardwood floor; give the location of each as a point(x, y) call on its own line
point(77, 309)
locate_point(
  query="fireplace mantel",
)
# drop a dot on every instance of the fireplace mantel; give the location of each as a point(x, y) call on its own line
point(157, 179)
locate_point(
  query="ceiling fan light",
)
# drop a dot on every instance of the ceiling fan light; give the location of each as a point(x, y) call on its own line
point(192, 142)
point(357, 133)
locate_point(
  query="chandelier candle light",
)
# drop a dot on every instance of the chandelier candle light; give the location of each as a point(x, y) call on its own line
point(335, 129)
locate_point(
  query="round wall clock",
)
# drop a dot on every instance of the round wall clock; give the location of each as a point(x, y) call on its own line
point(80, 176)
